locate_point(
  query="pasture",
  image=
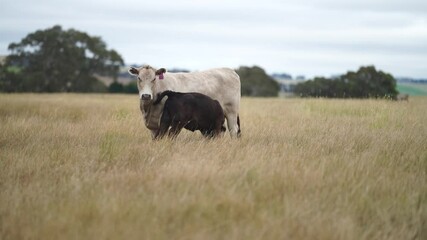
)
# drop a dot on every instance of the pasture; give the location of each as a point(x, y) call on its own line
point(76, 166)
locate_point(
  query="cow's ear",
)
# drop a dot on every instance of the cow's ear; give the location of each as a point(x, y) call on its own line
point(133, 71)
point(160, 71)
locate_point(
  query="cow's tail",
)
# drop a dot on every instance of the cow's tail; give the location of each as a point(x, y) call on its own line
point(160, 96)
point(239, 133)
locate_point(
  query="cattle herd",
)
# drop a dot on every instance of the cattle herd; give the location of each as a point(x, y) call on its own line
point(194, 101)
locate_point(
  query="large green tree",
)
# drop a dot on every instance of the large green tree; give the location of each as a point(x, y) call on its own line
point(57, 60)
point(256, 82)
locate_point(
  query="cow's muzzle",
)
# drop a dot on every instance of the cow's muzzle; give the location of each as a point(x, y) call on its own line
point(145, 97)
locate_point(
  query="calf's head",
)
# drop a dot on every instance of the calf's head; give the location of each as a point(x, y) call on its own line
point(146, 80)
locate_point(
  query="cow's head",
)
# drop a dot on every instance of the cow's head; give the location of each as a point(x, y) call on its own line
point(146, 82)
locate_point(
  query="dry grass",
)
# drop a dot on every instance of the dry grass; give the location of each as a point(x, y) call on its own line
point(84, 167)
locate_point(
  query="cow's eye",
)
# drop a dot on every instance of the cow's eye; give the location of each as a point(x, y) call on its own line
point(139, 79)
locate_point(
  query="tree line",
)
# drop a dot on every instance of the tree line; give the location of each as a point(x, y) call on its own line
point(367, 82)
point(58, 60)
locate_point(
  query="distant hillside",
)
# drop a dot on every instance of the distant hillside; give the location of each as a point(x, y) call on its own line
point(412, 86)
point(281, 76)
point(410, 80)
point(413, 89)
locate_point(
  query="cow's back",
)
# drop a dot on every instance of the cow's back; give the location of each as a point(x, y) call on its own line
point(222, 84)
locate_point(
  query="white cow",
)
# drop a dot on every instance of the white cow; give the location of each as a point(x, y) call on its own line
point(222, 84)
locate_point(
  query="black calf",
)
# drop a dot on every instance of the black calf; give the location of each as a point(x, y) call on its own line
point(192, 111)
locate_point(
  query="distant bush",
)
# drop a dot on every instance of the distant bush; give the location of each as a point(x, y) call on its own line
point(99, 87)
point(131, 87)
point(117, 87)
point(255, 82)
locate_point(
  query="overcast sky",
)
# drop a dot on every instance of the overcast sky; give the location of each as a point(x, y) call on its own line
point(300, 37)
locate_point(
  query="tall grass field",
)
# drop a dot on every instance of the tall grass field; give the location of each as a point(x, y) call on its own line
point(84, 167)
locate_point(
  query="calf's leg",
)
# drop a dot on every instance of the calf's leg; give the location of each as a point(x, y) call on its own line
point(165, 122)
point(176, 129)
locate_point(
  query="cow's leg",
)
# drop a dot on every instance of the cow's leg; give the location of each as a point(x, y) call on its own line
point(239, 132)
point(232, 123)
point(231, 112)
